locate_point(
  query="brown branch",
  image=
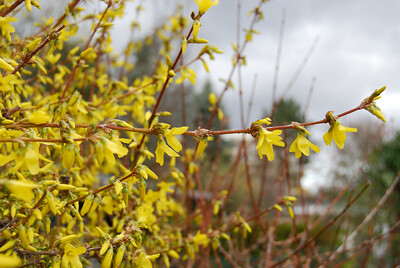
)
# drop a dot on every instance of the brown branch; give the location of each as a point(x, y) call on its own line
point(7, 10)
point(85, 47)
point(71, 6)
point(153, 114)
point(238, 57)
point(389, 191)
point(51, 36)
point(194, 133)
point(330, 223)
point(103, 188)
point(37, 253)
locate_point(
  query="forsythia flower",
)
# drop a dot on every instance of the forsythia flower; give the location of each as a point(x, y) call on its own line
point(196, 28)
point(200, 239)
point(302, 146)
point(71, 256)
point(10, 261)
point(265, 141)
point(144, 213)
point(337, 132)
point(22, 189)
point(162, 148)
point(173, 141)
point(202, 145)
point(7, 83)
point(204, 5)
point(6, 28)
point(143, 260)
point(38, 117)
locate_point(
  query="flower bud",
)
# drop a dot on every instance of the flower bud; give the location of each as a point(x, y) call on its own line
point(7, 245)
point(106, 263)
point(104, 247)
point(142, 189)
point(23, 236)
point(184, 43)
point(119, 256)
point(87, 204)
point(196, 28)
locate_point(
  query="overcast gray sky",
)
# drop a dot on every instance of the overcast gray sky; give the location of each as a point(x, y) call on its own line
point(357, 51)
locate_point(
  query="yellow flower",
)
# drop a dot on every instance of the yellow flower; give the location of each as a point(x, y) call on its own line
point(184, 43)
point(375, 110)
point(71, 256)
point(7, 83)
point(212, 98)
point(162, 148)
point(115, 146)
point(186, 73)
point(337, 132)
point(202, 145)
point(204, 5)
point(302, 146)
point(119, 256)
point(196, 28)
point(5, 66)
point(265, 141)
point(144, 260)
point(38, 117)
point(200, 239)
point(22, 189)
point(106, 262)
point(172, 140)
point(6, 28)
point(143, 214)
point(10, 261)
point(265, 120)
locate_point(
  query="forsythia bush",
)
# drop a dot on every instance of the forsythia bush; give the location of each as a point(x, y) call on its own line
point(79, 180)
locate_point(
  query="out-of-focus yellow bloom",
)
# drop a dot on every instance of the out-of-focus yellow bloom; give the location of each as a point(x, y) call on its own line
point(220, 114)
point(7, 245)
point(144, 260)
point(7, 83)
point(337, 132)
point(204, 5)
point(200, 239)
point(290, 211)
point(28, 5)
point(5, 66)
point(71, 256)
point(302, 146)
point(142, 189)
point(10, 261)
point(212, 98)
point(22, 189)
point(38, 117)
point(6, 28)
point(173, 254)
point(186, 73)
point(265, 142)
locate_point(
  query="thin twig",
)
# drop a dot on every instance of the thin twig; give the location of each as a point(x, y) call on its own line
point(330, 223)
point(351, 237)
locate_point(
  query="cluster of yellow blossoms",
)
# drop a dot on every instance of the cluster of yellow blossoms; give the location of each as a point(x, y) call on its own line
point(79, 184)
